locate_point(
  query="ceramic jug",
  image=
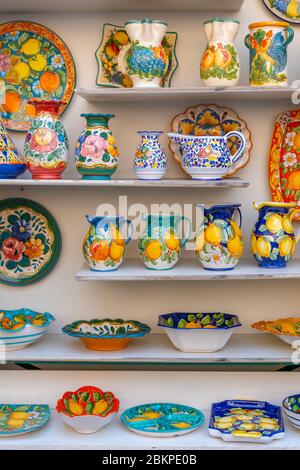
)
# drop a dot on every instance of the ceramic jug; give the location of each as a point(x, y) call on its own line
point(46, 145)
point(219, 239)
point(11, 163)
point(150, 161)
point(104, 244)
point(273, 239)
point(160, 244)
point(96, 151)
point(267, 44)
point(146, 60)
point(220, 64)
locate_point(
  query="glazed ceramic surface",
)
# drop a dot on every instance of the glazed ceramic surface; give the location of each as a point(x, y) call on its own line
point(160, 244)
point(291, 408)
point(104, 244)
point(30, 241)
point(267, 44)
point(212, 120)
point(11, 162)
point(96, 151)
point(150, 161)
point(146, 61)
point(34, 63)
point(21, 419)
point(286, 329)
point(220, 64)
point(273, 239)
point(162, 419)
point(288, 10)
point(110, 57)
point(219, 239)
point(246, 421)
point(46, 145)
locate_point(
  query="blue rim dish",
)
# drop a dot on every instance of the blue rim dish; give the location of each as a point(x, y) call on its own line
point(143, 329)
point(29, 316)
point(32, 408)
point(172, 320)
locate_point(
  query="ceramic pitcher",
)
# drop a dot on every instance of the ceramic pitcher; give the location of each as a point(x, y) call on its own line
point(160, 244)
point(96, 151)
point(220, 65)
point(104, 244)
point(150, 161)
point(267, 44)
point(46, 145)
point(11, 162)
point(146, 60)
point(273, 239)
point(219, 239)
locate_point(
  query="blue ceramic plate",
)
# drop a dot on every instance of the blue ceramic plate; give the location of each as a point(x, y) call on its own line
point(106, 328)
point(179, 320)
point(21, 419)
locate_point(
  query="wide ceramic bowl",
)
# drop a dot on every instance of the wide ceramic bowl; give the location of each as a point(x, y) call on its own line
point(286, 329)
point(106, 334)
point(291, 408)
point(199, 332)
point(19, 328)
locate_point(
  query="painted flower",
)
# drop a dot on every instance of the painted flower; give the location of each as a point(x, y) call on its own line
point(94, 147)
point(57, 61)
point(4, 63)
point(289, 159)
point(289, 138)
point(21, 230)
point(112, 146)
point(43, 140)
point(13, 249)
point(216, 256)
point(36, 88)
point(33, 415)
point(34, 248)
point(13, 35)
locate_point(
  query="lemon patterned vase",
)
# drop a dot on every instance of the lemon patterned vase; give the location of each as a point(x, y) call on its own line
point(150, 161)
point(46, 145)
point(160, 244)
point(104, 244)
point(11, 163)
point(273, 239)
point(219, 239)
point(220, 65)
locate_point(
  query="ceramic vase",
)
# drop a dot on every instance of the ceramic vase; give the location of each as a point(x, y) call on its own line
point(220, 64)
point(146, 60)
point(96, 151)
point(11, 163)
point(104, 244)
point(219, 239)
point(273, 238)
point(267, 44)
point(150, 161)
point(46, 145)
point(160, 244)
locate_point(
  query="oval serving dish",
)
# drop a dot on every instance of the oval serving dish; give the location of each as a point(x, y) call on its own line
point(286, 329)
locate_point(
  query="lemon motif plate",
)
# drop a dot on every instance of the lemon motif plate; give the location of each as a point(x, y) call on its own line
point(34, 63)
point(288, 10)
point(21, 419)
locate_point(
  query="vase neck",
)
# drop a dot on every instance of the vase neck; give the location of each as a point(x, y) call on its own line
point(97, 120)
point(51, 107)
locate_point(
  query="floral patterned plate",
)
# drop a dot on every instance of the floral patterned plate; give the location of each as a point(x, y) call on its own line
point(209, 119)
point(21, 419)
point(288, 10)
point(110, 57)
point(34, 63)
point(30, 241)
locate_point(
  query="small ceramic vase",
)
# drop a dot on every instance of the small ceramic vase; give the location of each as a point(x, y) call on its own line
point(219, 239)
point(96, 151)
point(104, 244)
point(46, 145)
point(146, 60)
point(150, 161)
point(267, 44)
point(11, 163)
point(160, 244)
point(273, 239)
point(220, 64)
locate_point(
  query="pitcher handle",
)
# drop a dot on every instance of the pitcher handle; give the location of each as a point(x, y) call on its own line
point(247, 41)
point(291, 214)
point(240, 215)
point(289, 36)
point(129, 228)
point(239, 153)
point(188, 234)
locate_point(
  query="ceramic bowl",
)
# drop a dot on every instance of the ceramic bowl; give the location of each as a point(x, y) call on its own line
point(291, 408)
point(286, 329)
point(199, 332)
point(19, 328)
point(106, 334)
point(11, 170)
point(87, 424)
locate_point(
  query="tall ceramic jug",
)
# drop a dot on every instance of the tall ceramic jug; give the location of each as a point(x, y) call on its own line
point(146, 60)
point(273, 238)
point(220, 64)
point(219, 239)
point(150, 161)
point(11, 162)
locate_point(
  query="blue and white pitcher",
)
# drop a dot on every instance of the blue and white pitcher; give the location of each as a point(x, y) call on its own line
point(150, 161)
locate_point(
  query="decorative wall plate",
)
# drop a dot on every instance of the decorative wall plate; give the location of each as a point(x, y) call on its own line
point(209, 119)
point(110, 57)
point(34, 63)
point(21, 419)
point(288, 10)
point(30, 241)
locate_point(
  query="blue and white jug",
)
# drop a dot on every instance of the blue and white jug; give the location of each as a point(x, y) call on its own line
point(150, 161)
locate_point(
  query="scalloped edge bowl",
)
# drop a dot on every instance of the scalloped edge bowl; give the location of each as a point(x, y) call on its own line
point(87, 424)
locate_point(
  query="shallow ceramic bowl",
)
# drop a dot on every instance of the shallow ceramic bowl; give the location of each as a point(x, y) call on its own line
point(11, 170)
point(278, 328)
point(199, 332)
point(291, 408)
point(87, 424)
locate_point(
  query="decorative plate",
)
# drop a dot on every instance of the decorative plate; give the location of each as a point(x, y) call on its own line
point(282, 326)
point(246, 421)
point(106, 328)
point(20, 419)
point(162, 419)
point(30, 241)
point(34, 63)
point(288, 10)
point(198, 320)
point(110, 57)
point(209, 119)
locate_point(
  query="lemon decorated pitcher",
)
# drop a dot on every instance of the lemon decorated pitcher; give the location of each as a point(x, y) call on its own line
point(273, 239)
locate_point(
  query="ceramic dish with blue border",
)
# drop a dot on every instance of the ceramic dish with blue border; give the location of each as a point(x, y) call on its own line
point(291, 408)
point(21, 419)
point(162, 419)
point(246, 421)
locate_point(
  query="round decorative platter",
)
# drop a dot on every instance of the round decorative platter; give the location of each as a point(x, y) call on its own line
point(21, 419)
point(30, 241)
point(34, 63)
point(288, 10)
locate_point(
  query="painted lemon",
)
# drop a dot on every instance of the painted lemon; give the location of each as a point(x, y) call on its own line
point(22, 70)
point(293, 247)
point(181, 425)
point(235, 246)
point(192, 324)
point(19, 415)
point(172, 242)
point(287, 224)
point(285, 247)
point(15, 423)
point(99, 250)
point(263, 247)
point(236, 228)
point(100, 407)
point(199, 242)
point(253, 244)
point(207, 60)
point(153, 250)
point(222, 57)
point(75, 408)
point(38, 63)
point(116, 251)
point(213, 234)
point(31, 47)
point(151, 414)
point(274, 223)
point(116, 235)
